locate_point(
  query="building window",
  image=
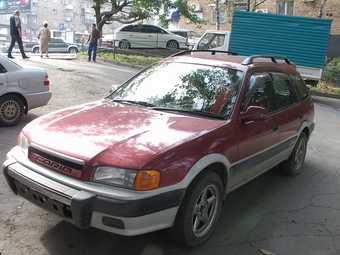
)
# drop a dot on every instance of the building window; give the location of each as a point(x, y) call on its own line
point(285, 7)
point(213, 15)
point(55, 24)
point(55, 12)
point(240, 6)
point(45, 10)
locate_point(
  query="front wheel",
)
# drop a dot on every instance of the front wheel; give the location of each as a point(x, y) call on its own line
point(199, 211)
point(36, 50)
point(293, 165)
point(11, 110)
point(172, 45)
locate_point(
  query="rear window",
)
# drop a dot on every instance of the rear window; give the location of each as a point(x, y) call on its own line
point(300, 85)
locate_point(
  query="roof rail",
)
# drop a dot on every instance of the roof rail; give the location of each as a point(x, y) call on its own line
point(250, 60)
point(213, 52)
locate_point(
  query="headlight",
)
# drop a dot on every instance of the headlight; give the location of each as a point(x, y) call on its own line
point(131, 179)
point(23, 143)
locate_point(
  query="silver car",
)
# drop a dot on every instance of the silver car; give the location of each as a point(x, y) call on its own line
point(21, 90)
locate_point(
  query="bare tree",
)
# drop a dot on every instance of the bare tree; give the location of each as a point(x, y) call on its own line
point(219, 7)
point(321, 8)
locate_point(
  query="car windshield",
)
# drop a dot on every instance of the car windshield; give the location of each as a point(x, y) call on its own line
point(207, 91)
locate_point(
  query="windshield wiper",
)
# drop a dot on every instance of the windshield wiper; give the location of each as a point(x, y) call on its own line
point(195, 112)
point(123, 101)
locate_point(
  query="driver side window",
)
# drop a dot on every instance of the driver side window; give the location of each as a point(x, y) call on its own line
point(259, 92)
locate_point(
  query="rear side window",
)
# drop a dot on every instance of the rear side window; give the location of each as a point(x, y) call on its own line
point(284, 93)
point(300, 85)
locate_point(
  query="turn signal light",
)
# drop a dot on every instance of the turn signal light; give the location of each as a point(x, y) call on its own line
point(147, 180)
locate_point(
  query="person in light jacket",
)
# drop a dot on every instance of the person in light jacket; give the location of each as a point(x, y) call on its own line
point(45, 39)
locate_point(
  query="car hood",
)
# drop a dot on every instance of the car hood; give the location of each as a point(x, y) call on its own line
point(101, 131)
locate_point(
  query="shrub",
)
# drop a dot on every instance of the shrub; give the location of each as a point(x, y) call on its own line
point(332, 70)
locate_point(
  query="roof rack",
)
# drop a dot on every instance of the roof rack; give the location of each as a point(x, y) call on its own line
point(213, 52)
point(250, 60)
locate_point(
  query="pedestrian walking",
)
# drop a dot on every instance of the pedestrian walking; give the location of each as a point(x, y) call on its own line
point(45, 38)
point(16, 33)
point(93, 39)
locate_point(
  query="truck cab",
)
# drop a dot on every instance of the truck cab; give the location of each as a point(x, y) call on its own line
point(213, 39)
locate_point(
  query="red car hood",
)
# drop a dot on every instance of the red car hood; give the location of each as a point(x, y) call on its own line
point(103, 131)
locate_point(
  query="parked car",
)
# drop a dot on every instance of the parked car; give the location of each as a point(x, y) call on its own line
point(191, 36)
point(146, 36)
point(14, 50)
point(164, 149)
point(57, 45)
point(21, 90)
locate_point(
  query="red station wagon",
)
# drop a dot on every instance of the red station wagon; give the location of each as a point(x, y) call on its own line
point(164, 149)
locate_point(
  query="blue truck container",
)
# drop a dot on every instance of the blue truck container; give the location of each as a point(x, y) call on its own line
point(303, 40)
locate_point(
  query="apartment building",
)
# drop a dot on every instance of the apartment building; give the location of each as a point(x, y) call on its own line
point(61, 16)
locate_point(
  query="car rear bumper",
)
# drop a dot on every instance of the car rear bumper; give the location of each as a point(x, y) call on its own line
point(86, 209)
point(38, 99)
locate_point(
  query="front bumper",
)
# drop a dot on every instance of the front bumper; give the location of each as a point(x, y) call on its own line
point(86, 208)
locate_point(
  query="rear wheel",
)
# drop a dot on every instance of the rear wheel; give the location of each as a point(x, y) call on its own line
point(293, 165)
point(72, 51)
point(11, 110)
point(36, 50)
point(172, 45)
point(124, 45)
point(199, 211)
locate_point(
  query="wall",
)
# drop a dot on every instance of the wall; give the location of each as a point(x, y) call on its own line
point(301, 8)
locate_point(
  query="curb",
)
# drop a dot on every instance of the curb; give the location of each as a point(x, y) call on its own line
point(123, 64)
point(320, 94)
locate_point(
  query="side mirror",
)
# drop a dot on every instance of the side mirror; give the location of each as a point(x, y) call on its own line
point(254, 113)
point(114, 87)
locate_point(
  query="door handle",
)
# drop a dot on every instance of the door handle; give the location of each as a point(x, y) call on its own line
point(276, 127)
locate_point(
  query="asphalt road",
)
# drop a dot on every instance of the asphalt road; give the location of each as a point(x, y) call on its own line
point(272, 214)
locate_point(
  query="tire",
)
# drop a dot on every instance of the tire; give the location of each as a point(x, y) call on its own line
point(36, 50)
point(72, 51)
point(11, 110)
point(124, 45)
point(199, 211)
point(293, 165)
point(172, 45)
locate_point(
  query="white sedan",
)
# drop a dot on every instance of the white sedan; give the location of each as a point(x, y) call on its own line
point(21, 90)
point(147, 36)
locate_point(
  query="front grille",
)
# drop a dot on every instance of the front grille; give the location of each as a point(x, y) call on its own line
point(55, 163)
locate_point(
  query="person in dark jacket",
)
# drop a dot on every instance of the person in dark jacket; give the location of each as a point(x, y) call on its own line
point(15, 32)
point(93, 39)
